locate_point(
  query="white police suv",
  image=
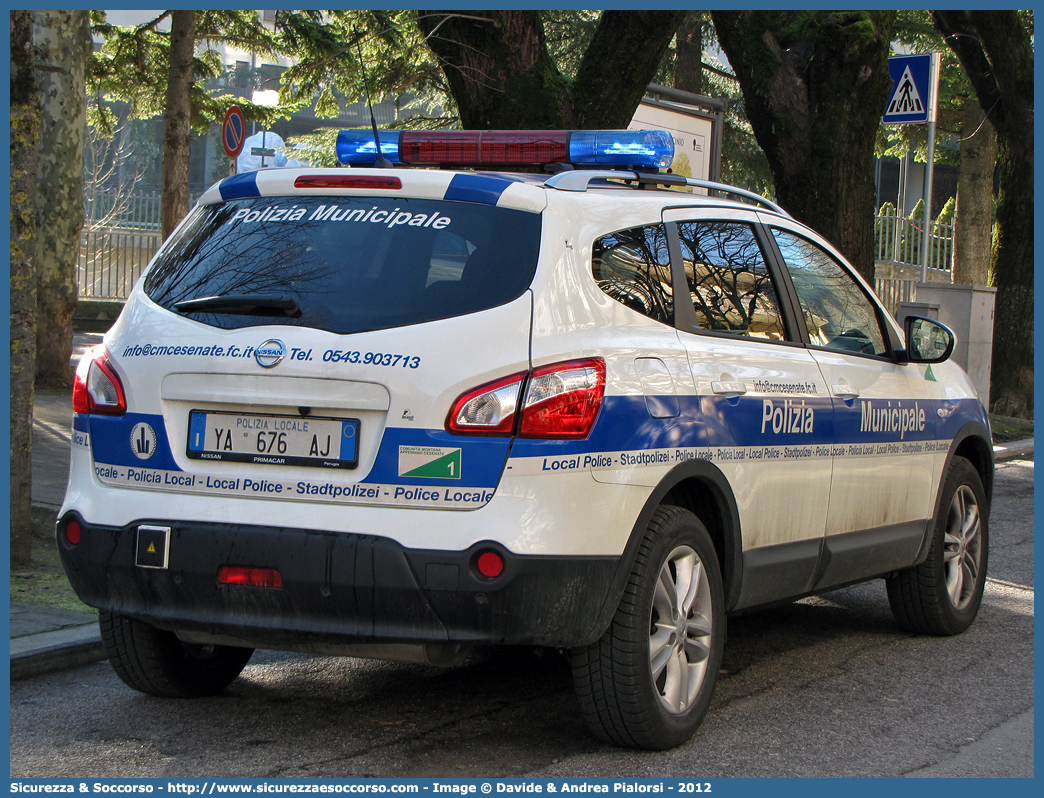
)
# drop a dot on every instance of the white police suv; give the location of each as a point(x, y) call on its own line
point(400, 413)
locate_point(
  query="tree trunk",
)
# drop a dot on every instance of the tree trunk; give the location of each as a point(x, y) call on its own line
point(177, 117)
point(973, 222)
point(25, 141)
point(618, 66)
point(498, 68)
point(815, 85)
point(502, 77)
point(996, 53)
point(1011, 382)
point(688, 63)
point(63, 41)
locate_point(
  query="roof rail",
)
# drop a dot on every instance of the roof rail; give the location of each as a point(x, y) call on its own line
point(579, 180)
point(740, 192)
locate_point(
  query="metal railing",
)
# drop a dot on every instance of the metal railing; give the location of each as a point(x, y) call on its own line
point(893, 290)
point(112, 260)
point(119, 238)
point(899, 240)
point(138, 211)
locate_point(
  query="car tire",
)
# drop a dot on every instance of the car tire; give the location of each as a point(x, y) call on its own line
point(941, 596)
point(647, 683)
point(156, 662)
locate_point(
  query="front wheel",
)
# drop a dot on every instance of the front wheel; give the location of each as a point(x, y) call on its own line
point(648, 682)
point(942, 595)
point(156, 662)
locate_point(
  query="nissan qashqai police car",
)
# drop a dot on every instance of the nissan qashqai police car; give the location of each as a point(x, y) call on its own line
point(400, 413)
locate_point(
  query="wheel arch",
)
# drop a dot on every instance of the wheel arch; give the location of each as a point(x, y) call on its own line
point(973, 442)
point(700, 487)
point(708, 496)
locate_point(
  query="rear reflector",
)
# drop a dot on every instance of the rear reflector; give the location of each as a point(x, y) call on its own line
point(490, 565)
point(251, 577)
point(339, 181)
point(72, 532)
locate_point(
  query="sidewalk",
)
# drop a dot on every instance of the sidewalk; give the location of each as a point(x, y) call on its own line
point(45, 639)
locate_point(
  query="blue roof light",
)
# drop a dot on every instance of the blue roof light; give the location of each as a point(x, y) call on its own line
point(653, 149)
point(357, 147)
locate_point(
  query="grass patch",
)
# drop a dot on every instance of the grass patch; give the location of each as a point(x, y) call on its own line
point(43, 582)
point(1006, 429)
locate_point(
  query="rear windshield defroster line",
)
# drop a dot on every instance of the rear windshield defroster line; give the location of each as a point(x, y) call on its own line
point(349, 264)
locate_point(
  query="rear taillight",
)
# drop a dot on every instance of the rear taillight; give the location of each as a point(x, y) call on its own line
point(562, 400)
point(96, 388)
point(488, 409)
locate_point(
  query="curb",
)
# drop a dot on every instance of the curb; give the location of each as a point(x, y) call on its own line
point(1013, 450)
point(46, 652)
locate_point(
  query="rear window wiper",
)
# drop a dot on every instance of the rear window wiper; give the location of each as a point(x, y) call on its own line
point(241, 305)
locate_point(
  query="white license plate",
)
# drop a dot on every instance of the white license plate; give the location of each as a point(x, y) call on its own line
point(273, 440)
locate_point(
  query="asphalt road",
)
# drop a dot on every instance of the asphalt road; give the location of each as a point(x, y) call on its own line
point(822, 687)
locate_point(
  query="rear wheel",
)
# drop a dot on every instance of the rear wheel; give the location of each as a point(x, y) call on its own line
point(158, 663)
point(942, 595)
point(648, 682)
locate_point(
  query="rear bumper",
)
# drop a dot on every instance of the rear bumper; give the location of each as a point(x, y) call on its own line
point(337, 588)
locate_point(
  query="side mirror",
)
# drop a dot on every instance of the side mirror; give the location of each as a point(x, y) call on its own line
point(928, 341)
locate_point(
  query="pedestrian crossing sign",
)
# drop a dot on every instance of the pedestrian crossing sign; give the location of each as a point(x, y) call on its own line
point(910, 99)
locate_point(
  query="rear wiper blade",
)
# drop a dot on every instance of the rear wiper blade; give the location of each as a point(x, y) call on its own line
point(242, 305)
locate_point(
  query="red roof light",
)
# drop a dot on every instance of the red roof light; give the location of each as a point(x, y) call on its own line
point(347, 181)
point(485, 147)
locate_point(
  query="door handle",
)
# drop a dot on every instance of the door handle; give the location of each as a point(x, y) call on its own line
point(729, 388)
point(844, 391)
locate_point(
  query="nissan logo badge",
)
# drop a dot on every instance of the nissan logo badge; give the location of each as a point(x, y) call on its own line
point(270, 353)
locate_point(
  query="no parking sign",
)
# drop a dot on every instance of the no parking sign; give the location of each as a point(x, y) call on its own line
point(233, 130)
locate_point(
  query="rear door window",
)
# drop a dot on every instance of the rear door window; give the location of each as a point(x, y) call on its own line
point(345, 264)
point(729, 281)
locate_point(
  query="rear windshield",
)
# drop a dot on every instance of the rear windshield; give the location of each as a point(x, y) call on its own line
point(345, 264)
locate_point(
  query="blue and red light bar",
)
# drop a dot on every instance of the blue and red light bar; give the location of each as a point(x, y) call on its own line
point(642, 149)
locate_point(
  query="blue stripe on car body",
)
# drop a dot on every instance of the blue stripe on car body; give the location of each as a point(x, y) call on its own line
point(624, 424)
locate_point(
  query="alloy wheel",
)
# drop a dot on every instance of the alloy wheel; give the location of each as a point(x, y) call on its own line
point(680, 630)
